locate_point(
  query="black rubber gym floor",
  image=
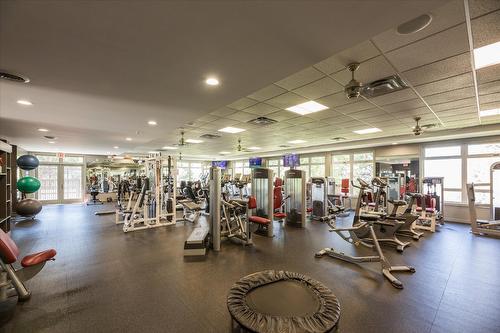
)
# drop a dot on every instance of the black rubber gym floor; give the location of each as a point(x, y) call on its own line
point(106, 281)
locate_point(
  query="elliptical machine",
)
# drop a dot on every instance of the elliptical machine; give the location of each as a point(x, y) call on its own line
point(363, 226)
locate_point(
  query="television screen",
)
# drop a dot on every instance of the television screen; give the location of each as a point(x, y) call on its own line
point(220, 164)
point(255, 162)
point(291, 160)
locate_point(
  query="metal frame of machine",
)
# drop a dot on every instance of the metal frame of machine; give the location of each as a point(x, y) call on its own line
point(262, 191)
point(163, 194)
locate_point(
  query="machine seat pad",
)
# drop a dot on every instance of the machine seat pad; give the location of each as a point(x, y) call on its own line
point(371, 204)
point(279, 215)
point(369, 217)
point(259, 220)
point(428, 210)
point(36, 258)
point(397, 202)
point(309, 210)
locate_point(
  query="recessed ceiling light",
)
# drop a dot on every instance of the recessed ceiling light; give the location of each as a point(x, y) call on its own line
point(224, 152)
point(368, 130)
point(212, 81)
point(307, 107)
point(51, 142)
point(24, 102)
point(170, 147)
point(152, 123)
point(116, 147)
point(487, 55)
point(231, 130)
point(297, 141)
point(254, 148)
point(128, 139)
point(491, 112)
point(43, 130)
point(194, 141)
point(394, 143)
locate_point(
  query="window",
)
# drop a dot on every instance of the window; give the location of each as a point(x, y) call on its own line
point(352, 166)
point(450, 169)
point(73, 159)
point(48, 158)
point(479, 161)
point(443, 151)
point(241, 168)
point(488, 148)
point(446, 162)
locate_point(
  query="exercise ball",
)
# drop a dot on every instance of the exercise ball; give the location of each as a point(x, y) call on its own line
point(27, 162)
point(28, 184)
point(28, 207)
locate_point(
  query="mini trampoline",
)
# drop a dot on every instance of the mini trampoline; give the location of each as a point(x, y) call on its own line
point(281, 301)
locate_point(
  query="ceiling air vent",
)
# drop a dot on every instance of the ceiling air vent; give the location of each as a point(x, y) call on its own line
point(13, 77)
point(338, 138)
point(49, 137)
point(284, 146)
point(210, 136)
point(262, 121)
point(384, 86)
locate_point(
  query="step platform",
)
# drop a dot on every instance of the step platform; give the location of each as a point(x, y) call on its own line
point(197, 242)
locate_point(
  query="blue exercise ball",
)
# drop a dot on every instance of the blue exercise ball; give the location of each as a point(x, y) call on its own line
point(28, 207)
point(27, 162)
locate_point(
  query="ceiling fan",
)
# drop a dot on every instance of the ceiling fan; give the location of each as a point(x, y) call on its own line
point(353, 88)
point(418, 129)
point(182, 142)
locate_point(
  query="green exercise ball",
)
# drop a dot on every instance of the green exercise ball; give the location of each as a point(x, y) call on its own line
point(28, 184)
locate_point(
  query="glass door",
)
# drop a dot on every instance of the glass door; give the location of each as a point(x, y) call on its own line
point(48, 175)
point(72, 183)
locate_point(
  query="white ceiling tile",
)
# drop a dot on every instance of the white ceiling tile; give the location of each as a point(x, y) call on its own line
point(488, 74)
point(452, 83)
point(300, 120)
point(406, 105)
point(286, 100)
point(241, 116)
point(454, 104)
point(489, 88)
point(354, 107)
point(443, 69)
point(442, 45)
point(301, 78)
point(395, 97)
point(481, 7)
point(224, 111)
point(450, 95)
point(489, 106)
point(282, 115)
point(261, 109)
point(335, 100)
point(368, 71)
point(459, 110)
point(208, 118)
point(242, 103)
point(486, 29)
point(322, 114)
point(320, 88)
point(443, 17)
point(267, 93)
point(358, 53)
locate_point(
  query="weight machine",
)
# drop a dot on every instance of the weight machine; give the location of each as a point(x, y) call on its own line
point(295, 192)
point(262, 191)
point(156, 201)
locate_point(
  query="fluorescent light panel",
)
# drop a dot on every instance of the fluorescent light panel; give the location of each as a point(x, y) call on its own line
point(170, 147)
point(43, 130)
point(307, 108)
point(152, 122)
point(254, 148)
point(297, 141)
point(194, 141)
point(488, 113)
point(487, 55)
point(224, 152)
point(231, 130)
point(128, 139)
point(24, 102)
point(368, 130)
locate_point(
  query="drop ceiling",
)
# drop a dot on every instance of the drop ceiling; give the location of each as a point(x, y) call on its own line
point(96, 81)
